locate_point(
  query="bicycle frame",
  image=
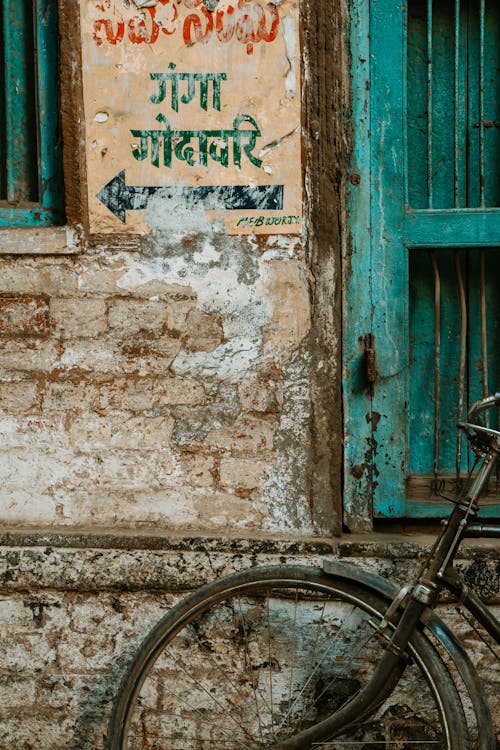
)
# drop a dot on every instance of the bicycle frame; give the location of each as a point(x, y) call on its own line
point(453, 582)
point(438, 573)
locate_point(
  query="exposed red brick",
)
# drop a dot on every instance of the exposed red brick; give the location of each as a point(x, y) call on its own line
point(24, 315)
point(204, 331)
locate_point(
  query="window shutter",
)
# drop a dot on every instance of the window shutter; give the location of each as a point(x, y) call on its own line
point(31, 191)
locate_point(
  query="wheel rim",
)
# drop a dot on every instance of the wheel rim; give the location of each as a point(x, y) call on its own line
point(253, 665)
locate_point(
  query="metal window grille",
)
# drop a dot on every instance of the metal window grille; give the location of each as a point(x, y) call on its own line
point(30, 161)
point(453, 108)
point(453, 132)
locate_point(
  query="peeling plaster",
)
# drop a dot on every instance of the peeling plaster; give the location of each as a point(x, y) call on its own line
point(287, 490)
point(277, 142)
point(194, 424)
point(229, 362)
point(227, 277)
point(289, 35)
point(223, 272)
point(179, 219)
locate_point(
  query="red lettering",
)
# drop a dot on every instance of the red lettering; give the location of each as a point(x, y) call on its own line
point(194, 22)
point(168, 25)
point(250, 23)
point(112, 36)
point(251, 27)
point(273, 31)
point(138, 32)
point(224, 24)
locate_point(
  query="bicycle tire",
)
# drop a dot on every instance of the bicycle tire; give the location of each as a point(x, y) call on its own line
point(249, 659)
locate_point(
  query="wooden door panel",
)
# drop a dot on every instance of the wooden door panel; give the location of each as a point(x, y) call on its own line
point(426, 161)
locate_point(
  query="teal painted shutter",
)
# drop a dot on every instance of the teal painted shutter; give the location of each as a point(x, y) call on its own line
point(31, 190)
point(422, 284)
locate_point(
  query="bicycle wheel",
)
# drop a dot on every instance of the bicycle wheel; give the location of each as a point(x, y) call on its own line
point(253, 658)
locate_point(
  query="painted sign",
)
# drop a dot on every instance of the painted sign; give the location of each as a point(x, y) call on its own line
point(193, 107)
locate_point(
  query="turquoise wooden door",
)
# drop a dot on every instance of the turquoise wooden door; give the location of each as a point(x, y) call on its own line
point(422, 328)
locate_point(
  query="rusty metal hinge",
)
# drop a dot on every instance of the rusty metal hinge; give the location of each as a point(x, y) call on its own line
point(370, 360)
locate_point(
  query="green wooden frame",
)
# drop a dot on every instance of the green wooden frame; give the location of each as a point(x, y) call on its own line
point(34, 183)
point(383, 230)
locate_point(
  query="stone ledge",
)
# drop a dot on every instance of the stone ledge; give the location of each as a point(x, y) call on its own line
point(39, 241)
point(404, 545)
point(32, 564)
point(150, 541)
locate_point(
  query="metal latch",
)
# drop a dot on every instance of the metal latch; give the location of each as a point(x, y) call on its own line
point(370, 360)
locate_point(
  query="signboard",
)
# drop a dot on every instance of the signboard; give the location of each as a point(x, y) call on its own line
point(193, 106)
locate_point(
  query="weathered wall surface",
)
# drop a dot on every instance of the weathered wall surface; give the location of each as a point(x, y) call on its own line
point(185, 379)
point(72, 617)
point(168, 386)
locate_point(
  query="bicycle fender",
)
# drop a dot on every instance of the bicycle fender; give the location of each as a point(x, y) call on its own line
point(445, 637)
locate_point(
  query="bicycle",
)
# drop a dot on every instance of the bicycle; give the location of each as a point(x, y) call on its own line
point(292, 657)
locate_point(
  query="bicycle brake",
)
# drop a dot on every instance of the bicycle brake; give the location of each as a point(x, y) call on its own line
point(392, 609)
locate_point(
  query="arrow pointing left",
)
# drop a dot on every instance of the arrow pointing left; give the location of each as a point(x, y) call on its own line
point(119, 197)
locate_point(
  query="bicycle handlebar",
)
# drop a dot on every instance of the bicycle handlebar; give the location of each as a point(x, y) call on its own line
point(482, 405)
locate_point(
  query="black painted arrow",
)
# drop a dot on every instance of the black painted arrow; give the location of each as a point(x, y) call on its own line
point(119, 197)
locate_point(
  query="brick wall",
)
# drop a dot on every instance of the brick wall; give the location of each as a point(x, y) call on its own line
point(131, 394)
point(71, 618)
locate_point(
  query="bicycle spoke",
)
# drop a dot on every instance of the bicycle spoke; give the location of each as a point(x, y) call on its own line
point(336, 679)
point(294, 638)
point(254, 687)
point(313, 655)
point(204, 720)
point(222, 671)
point(353, 743)
point(269, 661)
point(211, 696)
point(325, 653)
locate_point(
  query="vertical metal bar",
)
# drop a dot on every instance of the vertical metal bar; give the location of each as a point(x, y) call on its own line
point(50, 178)
point(20, 101)
point(457, 154)
point(10, 81)
point(3, 103)
point(406, 181)
point(429, 104)
point(484, 330)
point(461, 102)
point(481, 102)
point(437, 362)
point(463, 355)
